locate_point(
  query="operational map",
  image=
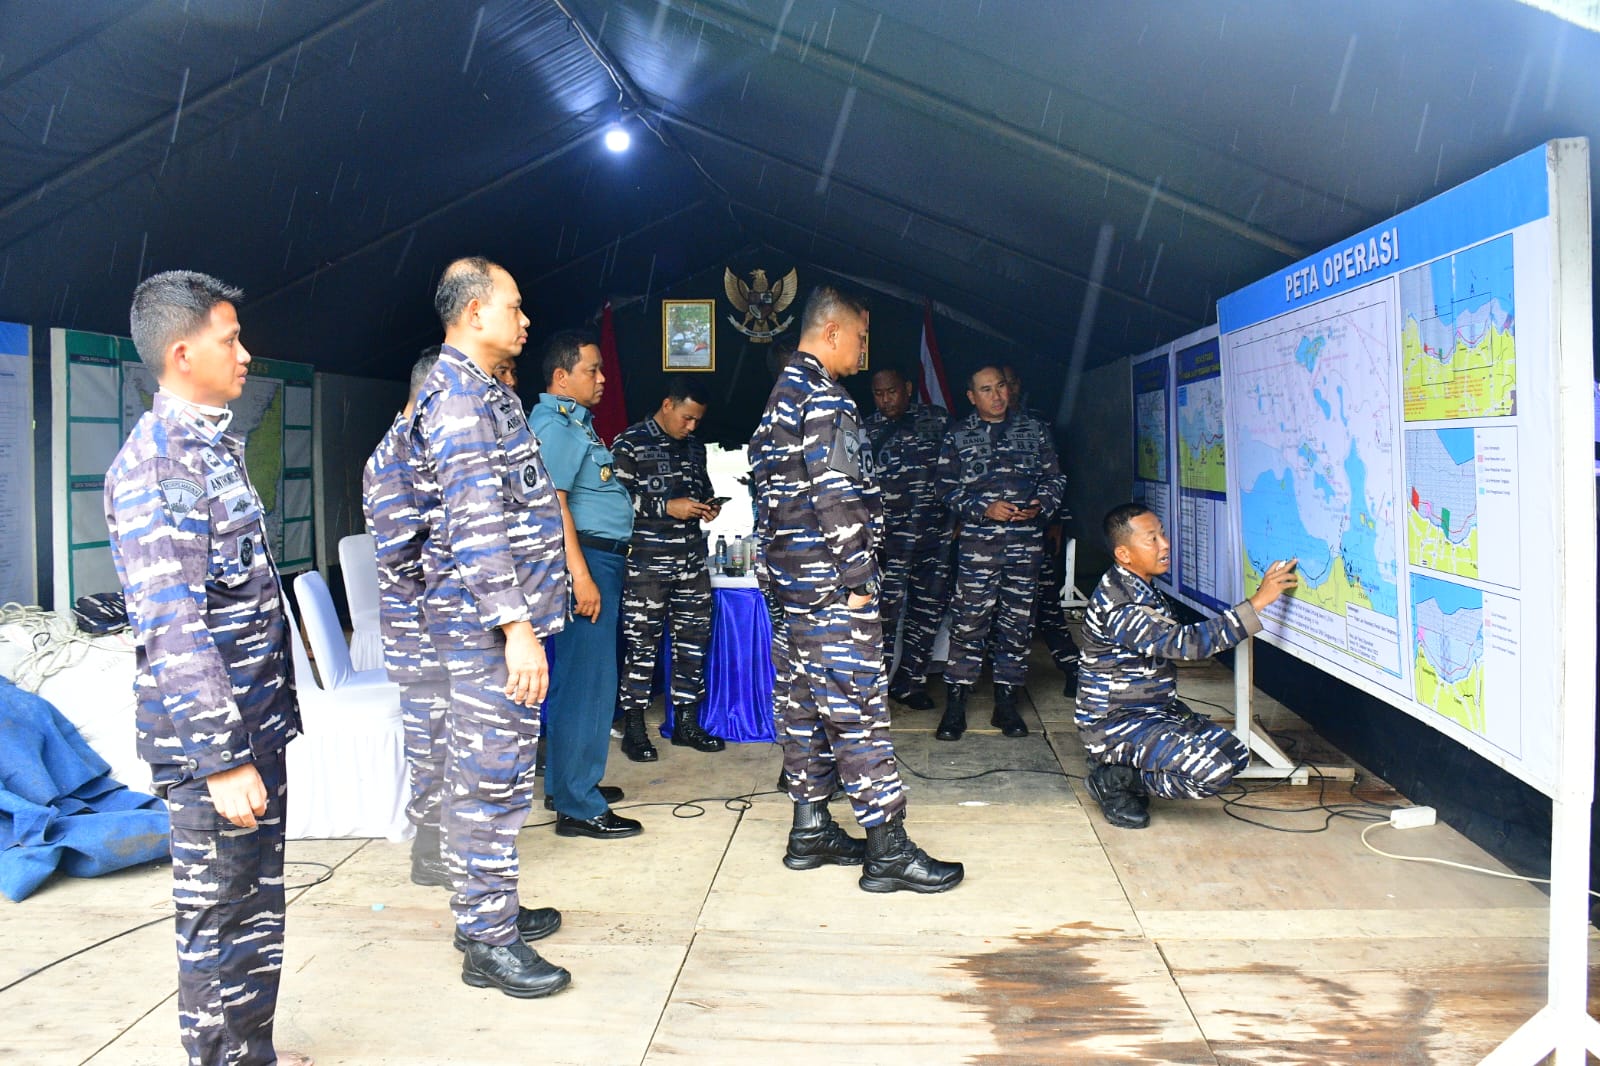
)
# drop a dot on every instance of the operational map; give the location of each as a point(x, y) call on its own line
point(1312, 400)
point(1442, 506)
point(1449, 666)
point(1458, 335)
point(1150, 433)
point(1201, 456)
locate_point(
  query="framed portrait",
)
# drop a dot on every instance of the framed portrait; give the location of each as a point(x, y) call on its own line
point(861, 364)
point(688, 336)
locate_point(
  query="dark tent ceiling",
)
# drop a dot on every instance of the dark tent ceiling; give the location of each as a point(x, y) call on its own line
point(998, 156)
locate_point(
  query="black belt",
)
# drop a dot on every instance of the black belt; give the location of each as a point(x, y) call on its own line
point(605, 544)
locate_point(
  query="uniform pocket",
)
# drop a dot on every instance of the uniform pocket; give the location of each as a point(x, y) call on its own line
point(236, 539)
point(214, 860)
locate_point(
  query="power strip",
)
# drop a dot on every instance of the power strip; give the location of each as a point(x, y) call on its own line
point(1412, 817)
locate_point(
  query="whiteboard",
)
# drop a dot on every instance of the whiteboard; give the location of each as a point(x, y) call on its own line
point(1395, 420)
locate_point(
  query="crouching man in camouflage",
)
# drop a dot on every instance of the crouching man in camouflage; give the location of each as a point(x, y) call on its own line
point(496, 586)
point(818, 517)
point(215, 707)
point(390, 501)
point(1141, 739)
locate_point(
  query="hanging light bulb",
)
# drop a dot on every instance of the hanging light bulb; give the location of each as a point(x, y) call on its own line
point(617, 138)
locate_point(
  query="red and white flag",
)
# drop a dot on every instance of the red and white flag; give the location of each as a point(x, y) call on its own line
point(611, 413)
point(931, 385)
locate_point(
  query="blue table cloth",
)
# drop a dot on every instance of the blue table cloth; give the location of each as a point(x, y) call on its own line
point(739, 672)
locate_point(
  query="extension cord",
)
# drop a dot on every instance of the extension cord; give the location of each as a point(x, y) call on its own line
point(1412, 817)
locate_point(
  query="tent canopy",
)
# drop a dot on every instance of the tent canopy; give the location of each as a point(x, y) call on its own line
point(1017, 160)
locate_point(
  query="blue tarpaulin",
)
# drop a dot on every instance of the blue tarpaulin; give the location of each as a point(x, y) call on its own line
point(59, 807)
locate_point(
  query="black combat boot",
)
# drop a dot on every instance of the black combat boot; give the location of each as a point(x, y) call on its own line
point(1005, 717)
point(1120, 794)
point(954, 722)
point(904, 690)
point(1069, 670)
point(816, 839)
point(895, 863)
point(686, 731)
point(515, 969)
point(636, 738)
point(427, 864)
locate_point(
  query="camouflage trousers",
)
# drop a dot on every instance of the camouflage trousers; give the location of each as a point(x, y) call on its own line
point(681, 605)
point(836, 725)
point(915, 591)
point(1048, 616)
point(1179, 754)
point(996, 575)
point(783, 680)
point(227, 890)
point(423, 705)
point(487, 789)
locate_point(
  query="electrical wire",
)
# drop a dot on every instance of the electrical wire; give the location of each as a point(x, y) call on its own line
point(1447, 862)
point(156, 921)
point(57, 643)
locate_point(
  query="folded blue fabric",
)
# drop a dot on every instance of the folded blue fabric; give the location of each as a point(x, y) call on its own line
point(59, 807)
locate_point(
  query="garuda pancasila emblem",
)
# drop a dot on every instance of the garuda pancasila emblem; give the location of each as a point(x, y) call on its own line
point(761, 303)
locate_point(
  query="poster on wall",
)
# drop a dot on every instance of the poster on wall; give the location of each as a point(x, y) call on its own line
point(1394, 423)
point(19, 581)
point(1152, 448)
point(1209, 570)
point(101, 388)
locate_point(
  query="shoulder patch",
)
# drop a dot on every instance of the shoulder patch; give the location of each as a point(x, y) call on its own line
point(180, 495)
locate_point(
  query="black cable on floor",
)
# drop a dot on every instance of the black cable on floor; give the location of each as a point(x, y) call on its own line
point(156, 921)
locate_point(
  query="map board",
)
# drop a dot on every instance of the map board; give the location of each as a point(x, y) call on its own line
point(1393, 422)
point(18, 576)
point(1178, 415)
point(1152, 446)
point(101, 388)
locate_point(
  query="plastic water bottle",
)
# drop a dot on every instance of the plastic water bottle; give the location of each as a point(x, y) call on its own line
point(722, 554)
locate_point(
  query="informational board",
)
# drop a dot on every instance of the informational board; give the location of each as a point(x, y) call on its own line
point(100, 389)
point(1151, 376)
point(1208, 577)
point(1394, 422)
point(19, 582)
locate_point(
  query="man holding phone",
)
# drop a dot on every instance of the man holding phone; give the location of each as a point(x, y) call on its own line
point(663, 467)
point(1000, 477)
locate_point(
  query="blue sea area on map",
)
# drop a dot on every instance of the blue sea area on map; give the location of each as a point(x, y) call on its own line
point(1360, 546)
point(1273, 530)
point(1449, 596)
point(1327, 411)
point(1307, 350)
point(1322, 485)
point(1459, 444)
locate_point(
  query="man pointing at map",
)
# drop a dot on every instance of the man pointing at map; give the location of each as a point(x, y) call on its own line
point(1140, 738)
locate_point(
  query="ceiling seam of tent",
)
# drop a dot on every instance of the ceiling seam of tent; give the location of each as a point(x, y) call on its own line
point(511, 175)
point(933, 104)
point(958, 227)
point(164, 121)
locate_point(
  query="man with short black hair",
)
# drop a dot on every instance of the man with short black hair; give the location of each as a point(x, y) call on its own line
point(214, 704)
point(663, 466)
point(496, 583)
point(391, 502)
point(906, 439)
point(817, 522)
point(1000, 475)
point(597, 521)
point(1141, 739)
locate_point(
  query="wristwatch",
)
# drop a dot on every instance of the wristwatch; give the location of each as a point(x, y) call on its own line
point(868, 589)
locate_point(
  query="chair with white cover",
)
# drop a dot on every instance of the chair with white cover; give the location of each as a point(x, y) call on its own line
point(358, 559)
point(347, 772)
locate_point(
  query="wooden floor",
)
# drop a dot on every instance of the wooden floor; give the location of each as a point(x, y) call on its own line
point(1201, 939)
